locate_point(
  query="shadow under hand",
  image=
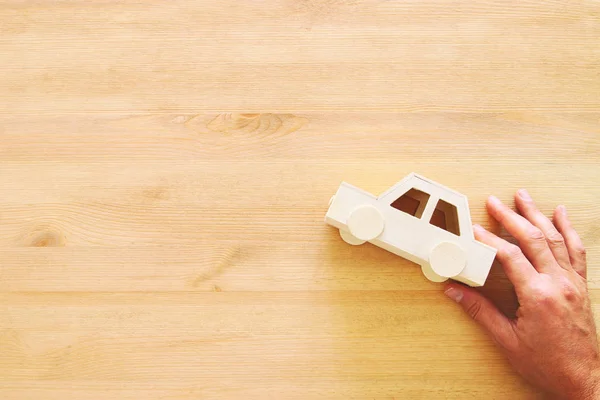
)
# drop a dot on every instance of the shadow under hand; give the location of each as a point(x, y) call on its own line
point(500, 291)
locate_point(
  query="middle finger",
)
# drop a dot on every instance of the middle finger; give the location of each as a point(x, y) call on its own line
point(555, 240)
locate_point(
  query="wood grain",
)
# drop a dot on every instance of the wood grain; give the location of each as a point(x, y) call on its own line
point(165, 168)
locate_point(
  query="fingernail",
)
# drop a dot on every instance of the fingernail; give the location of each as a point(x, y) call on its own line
point(477, 227)
point(562, 209)
point(454, 294)
point(524, 195)
point(494, 200)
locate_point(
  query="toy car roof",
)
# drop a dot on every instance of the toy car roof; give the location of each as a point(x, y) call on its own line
point(412, 176)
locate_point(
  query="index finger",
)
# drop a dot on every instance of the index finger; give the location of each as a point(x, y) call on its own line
point(516, 267)
point(531, 239)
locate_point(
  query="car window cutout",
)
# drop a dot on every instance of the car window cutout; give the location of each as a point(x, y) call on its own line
point(412, 202)
point(445, 216)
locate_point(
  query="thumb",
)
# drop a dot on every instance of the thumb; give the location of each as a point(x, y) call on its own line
point(484, 312)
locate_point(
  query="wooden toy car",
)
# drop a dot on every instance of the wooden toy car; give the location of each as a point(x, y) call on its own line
point(417, 219)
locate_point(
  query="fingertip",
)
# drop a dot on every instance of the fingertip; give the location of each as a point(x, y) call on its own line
point(559, 216)
point(562, 210)
point(523, 194)
point(498, 210)
point(454, 292)
point(479, 231)
point(491, 199)
point(492, 203)
point(556, 213)
point(524, 202)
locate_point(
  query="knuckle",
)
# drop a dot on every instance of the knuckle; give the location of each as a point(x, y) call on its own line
point(545, 298)
point(474, 309)
point(581, 271)
point(512, 252)
point(570, 292)
point(580, 251)
point(544, 295)
point(555, 239)
point(535, 235)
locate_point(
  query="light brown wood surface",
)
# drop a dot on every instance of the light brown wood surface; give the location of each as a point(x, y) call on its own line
point(165, 167)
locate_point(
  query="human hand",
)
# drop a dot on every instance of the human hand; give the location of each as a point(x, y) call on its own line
point(552, 342)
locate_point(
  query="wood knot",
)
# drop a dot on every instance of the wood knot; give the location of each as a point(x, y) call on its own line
point(156, 193)
point(45, 236)
point(255, 126)
point(222, 261)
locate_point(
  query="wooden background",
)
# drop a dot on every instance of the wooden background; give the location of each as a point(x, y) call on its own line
point(165, 167)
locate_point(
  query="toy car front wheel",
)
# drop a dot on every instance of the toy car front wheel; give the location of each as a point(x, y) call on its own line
point(350, 239)
point(431, 275)
point(447, 259)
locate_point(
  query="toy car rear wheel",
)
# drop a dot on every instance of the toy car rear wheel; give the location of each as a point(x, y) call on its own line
point(366, 222)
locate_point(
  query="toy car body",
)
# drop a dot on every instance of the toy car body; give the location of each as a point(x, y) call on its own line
point(417, 219)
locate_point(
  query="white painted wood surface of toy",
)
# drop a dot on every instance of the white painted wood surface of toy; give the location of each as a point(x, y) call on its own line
point(418, 219)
